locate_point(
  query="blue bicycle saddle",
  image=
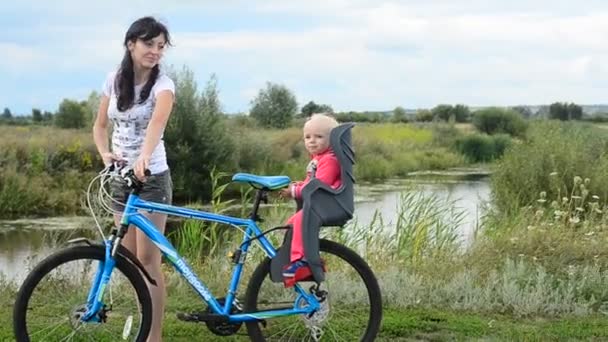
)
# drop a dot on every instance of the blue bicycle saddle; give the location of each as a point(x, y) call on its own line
point(269, 182)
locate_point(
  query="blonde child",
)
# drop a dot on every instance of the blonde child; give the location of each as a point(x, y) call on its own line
point(324, 166)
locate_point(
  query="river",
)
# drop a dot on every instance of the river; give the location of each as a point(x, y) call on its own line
point(24, 242)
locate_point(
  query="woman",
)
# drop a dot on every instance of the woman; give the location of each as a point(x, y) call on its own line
point(137, 99)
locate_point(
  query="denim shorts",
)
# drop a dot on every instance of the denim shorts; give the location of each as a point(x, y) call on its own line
point(157, 188)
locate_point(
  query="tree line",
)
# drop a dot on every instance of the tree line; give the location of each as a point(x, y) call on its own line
point(276, 106)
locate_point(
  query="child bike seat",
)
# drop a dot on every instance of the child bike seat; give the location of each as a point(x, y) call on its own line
point(322, 206)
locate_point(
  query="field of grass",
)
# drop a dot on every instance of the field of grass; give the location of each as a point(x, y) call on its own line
point(401, 324)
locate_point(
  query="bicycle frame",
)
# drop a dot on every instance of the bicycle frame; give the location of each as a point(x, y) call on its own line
point(131, 216)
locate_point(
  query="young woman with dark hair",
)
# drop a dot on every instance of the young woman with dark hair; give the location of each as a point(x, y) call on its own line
point(137, 100)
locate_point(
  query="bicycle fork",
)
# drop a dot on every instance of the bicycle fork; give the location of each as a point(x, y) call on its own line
point(101, 279)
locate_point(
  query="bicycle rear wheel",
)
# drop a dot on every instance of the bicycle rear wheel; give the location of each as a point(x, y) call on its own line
point(54, 295)
point(352, 310)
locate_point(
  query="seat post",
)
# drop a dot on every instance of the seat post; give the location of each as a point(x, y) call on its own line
point(260, 195)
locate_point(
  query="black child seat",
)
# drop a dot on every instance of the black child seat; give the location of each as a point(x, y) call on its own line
point(322, 206)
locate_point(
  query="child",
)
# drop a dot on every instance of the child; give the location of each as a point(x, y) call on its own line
point(324, 166)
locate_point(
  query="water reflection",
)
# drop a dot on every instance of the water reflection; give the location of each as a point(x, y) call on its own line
point(469, 196)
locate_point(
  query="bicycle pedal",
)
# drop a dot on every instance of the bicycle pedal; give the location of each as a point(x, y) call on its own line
point(201, 317)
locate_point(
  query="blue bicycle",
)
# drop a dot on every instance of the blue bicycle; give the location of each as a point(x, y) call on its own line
point(99, 292)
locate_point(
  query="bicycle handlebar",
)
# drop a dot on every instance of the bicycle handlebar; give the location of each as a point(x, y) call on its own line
point(120, 169)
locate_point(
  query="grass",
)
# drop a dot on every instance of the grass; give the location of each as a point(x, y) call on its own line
point(401, 325)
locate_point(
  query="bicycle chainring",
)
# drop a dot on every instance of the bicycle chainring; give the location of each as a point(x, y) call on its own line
point(224, 328)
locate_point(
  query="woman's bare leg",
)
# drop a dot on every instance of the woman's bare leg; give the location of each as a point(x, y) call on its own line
point(150, 257)
point(128, 241)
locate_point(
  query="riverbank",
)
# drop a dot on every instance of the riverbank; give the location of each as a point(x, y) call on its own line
point(44, 171)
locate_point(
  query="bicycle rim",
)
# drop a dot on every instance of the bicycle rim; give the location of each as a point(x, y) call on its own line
point(351, 311)
point(58, 290)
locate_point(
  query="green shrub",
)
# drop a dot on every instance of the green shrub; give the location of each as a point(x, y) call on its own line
point(548, 160)
point(481, 147)
point(499, 120)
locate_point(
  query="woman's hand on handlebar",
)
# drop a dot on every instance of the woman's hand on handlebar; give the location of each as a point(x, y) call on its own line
point(109, 158)
point(141, 166)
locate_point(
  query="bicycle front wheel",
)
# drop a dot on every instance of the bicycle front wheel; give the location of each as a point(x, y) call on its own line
point(351, 310)
point(54, 296)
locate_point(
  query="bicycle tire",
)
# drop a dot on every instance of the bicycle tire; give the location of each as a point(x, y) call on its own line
point(80, 253)
point(327, 247)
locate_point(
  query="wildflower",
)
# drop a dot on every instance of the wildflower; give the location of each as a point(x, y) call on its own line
point(553, 174)
point(541, 201)
point(579, 209)
point(577, 180)
point(590, 233)
point(554, 204)
point(587, 181)
point(595, 197)
point(576, 197)
point(543, 194)
point(575, 220)
point(564, 200)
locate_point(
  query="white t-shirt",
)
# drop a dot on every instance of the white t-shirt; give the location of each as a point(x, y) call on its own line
point(129, 127)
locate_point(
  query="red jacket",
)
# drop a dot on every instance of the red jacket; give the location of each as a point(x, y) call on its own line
point(328, 172)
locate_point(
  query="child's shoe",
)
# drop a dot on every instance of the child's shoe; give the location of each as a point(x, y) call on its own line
point(290, 270)
point(298, 271)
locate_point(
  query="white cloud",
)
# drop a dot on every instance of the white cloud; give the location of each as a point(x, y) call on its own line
point(371, 54)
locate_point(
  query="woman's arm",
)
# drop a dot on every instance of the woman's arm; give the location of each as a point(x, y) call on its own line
point(100, 131)
point(156, 126)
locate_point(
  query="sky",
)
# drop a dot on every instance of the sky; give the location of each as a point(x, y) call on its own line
point(351, 54)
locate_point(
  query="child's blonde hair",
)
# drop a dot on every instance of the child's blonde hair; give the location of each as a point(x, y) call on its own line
point(323, 119)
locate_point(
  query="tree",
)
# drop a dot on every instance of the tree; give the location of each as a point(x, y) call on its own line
point(195, 138)
point(442, 112)
point(399, 115)
point(445, 112)
point(575, 112)
point(461, 113)
point(92, 106)
point(310, 108)
point(565, 111)
point(71, 114)
point(47, 117)
point(525, 111)
point(424, 115)
point(6, 114)
point(36, 115)
point(274, 106)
